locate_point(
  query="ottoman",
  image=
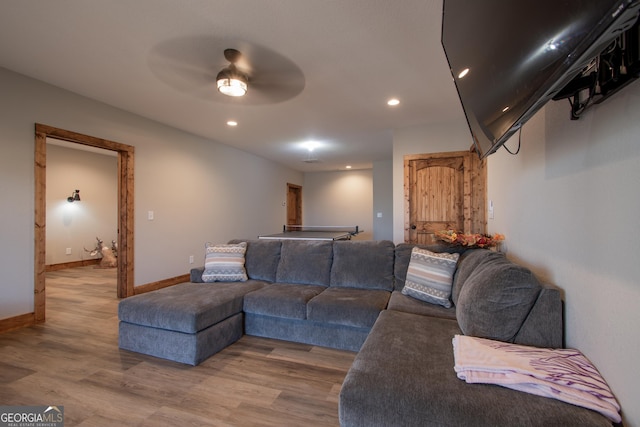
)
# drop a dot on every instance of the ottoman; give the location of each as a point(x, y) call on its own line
point(185, 323)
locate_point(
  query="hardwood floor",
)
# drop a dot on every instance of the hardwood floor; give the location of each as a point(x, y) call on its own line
point(73, 360)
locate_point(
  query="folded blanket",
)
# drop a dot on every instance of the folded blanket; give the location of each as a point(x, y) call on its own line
point(563, 374)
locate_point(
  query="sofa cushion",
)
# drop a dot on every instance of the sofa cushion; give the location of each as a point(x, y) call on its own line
point(261, 258)
point(365, 264)
point(348, 306)
point(400, 302)
point(187, 307)
point(224, 263)
point(466, 264)
point(429, 276)
point(281, 300)
point(305, 262)
point(195, 275)
point(496, 299)
point(543, 325)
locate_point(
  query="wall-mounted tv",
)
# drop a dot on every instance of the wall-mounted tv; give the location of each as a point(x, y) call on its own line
point(509, 57)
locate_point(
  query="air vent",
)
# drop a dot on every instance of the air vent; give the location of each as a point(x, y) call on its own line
point(311, 158)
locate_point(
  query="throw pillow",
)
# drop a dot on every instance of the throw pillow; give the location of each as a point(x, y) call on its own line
point(224, 263)
point(429, 276)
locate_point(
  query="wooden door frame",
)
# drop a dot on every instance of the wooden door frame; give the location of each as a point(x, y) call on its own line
point(475, 172)
point(125, 210)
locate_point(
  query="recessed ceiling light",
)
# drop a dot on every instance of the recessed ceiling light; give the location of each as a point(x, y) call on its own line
point(393, 102)
point(505, 109)
point(311, 145)
point(232, 123)
point(348, 167)
point(463, 73)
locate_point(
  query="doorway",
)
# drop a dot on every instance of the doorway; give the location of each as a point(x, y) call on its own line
point(75, 228)
point(125, 210)
point(294, 204)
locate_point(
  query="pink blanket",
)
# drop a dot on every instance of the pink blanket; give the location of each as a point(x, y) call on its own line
point(562, 374)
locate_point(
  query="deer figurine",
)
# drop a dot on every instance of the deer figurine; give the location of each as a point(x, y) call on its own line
point(108, 259)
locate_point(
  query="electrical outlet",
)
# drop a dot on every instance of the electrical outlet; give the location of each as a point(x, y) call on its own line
point(68, 251)
point(190, 259)
point(150, 215)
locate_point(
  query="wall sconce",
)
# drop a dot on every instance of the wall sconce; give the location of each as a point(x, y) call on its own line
point(75, 197)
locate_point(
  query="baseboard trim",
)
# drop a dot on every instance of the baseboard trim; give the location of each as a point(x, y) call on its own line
point(16, 322)
point(72, 264)
point(148, 287)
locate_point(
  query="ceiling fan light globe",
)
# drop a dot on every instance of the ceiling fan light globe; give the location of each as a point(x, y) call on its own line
point(231, 82)
point(232, 87)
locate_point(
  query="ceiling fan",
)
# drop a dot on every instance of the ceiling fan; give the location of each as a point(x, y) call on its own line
point(194, 65)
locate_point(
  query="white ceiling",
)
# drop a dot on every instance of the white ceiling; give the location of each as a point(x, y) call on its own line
point(159, 59)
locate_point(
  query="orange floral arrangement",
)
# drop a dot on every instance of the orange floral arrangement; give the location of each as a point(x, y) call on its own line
point(469, 240)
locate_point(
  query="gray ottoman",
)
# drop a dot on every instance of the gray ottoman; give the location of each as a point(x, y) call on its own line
point(185, 323)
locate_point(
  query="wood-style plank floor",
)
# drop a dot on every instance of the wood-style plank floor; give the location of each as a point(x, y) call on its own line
point(73, 360)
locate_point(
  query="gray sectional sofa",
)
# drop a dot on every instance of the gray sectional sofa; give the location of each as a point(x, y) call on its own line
point(348, 295)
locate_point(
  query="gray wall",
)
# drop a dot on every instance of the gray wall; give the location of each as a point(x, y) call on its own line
point(339, 198)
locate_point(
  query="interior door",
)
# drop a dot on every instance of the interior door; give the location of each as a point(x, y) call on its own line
point(443, 191)
point(294, 204)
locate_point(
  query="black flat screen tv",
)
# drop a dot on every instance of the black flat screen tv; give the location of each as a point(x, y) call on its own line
point(519, 53)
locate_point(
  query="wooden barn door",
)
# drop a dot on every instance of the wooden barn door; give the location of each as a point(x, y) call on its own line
point(443, 191)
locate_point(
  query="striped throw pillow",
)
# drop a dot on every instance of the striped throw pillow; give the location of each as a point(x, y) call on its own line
point(224, 263)
point(430, 275)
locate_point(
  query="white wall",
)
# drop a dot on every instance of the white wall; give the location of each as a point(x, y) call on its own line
point(76, 225)
point(339, 198)
point(569, 205)
point(199, 190)
point(434, 138)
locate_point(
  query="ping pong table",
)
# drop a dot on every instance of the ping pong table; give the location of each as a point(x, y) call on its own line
point(299, 232)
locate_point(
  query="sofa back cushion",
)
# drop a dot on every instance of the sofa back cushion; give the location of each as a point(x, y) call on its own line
point(466, 265)
point(305, 262)
point(363, 264)
point(262, 258)
point(496, 299)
